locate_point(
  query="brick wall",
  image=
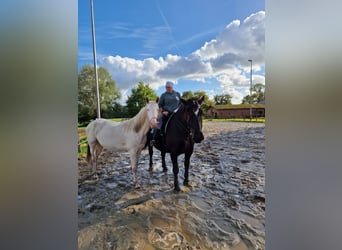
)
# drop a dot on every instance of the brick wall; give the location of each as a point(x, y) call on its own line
point(235, 113)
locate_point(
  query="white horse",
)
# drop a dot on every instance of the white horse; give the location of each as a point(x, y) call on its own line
point(129, 135)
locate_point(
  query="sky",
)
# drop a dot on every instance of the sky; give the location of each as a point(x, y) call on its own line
point(200, 45)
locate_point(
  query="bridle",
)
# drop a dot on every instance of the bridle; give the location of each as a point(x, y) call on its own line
point(189, 117)
point(196, 117)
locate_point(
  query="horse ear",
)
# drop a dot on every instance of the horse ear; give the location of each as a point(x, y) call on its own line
point(147, 100)
point(157, 100)
point(201, 100)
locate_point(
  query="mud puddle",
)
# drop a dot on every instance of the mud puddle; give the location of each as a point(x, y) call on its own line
point(223, 209)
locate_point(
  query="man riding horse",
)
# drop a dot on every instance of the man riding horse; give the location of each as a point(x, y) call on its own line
point(168, 103)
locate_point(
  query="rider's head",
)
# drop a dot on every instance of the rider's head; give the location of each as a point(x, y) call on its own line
point(169, 86)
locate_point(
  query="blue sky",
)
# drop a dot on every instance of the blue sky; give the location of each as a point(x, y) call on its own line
point(198, 44)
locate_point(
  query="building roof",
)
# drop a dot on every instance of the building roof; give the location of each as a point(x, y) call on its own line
point(239, 106)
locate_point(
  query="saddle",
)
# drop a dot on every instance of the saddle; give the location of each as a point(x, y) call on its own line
point(165, 123)
point(159, 134)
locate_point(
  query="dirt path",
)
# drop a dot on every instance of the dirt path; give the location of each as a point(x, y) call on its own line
point(223, 209)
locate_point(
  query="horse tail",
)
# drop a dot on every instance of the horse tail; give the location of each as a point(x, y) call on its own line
point(88, 153)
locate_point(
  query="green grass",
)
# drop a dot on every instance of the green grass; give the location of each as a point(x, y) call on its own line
point(83, 141)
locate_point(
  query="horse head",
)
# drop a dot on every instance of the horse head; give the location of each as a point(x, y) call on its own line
point(193, 117)
point(152, 112)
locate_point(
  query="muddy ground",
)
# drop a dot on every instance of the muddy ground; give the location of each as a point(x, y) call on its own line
point(223, 209)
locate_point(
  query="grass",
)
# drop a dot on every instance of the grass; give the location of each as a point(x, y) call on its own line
point(82, 142)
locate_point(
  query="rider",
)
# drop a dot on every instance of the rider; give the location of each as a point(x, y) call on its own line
point(168, 102)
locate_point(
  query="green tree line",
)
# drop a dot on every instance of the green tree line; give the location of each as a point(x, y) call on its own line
point(110, 96)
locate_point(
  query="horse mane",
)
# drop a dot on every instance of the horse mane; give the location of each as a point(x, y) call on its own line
point(181, 114)
point(137, 122)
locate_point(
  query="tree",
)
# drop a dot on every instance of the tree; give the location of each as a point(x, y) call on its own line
point(137, 100)
point(87, 92)
point(116, 111)
point(206, 103)
point(223, 99)
point(187, 95)
point(257, 96)
point(259, 89)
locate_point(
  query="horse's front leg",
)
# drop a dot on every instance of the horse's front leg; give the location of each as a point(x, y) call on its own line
point(150, 152)
point(186, 166)
point(174, 159)
point(163, 153)
point(134, 164)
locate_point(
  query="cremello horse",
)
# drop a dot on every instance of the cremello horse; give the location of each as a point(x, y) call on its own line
point(129, 135)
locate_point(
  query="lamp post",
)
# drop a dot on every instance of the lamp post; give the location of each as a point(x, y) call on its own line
point(95, 66)
point(250, 92)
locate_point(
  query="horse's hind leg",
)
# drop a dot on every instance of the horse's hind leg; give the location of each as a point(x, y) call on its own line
point(94, 150)
point(97, 151)
point(91, 155)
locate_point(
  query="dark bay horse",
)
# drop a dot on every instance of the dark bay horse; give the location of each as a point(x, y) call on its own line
point(183, 129)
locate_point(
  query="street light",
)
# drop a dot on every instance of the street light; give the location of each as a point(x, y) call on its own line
point(250, 92)
point(95, 66)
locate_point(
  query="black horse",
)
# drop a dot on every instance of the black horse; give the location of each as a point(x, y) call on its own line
point(182, 130)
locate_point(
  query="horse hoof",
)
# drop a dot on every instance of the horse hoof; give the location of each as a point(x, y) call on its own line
point(176, 190)
point(164, 170)
point(186, 183)
point(137, 186)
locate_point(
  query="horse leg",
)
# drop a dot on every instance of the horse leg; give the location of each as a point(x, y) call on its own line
point(97, 151)
point(174, 159)
point(134, 155)
point(186, 165)
point(150, 152)
point(163, 153)
point(90, 155)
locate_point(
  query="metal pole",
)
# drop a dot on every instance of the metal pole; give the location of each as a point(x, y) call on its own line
point(95, 66)
point(250, 93)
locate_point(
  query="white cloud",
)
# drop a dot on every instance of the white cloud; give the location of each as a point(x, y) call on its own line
point(224, 57)
point(238, 42)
